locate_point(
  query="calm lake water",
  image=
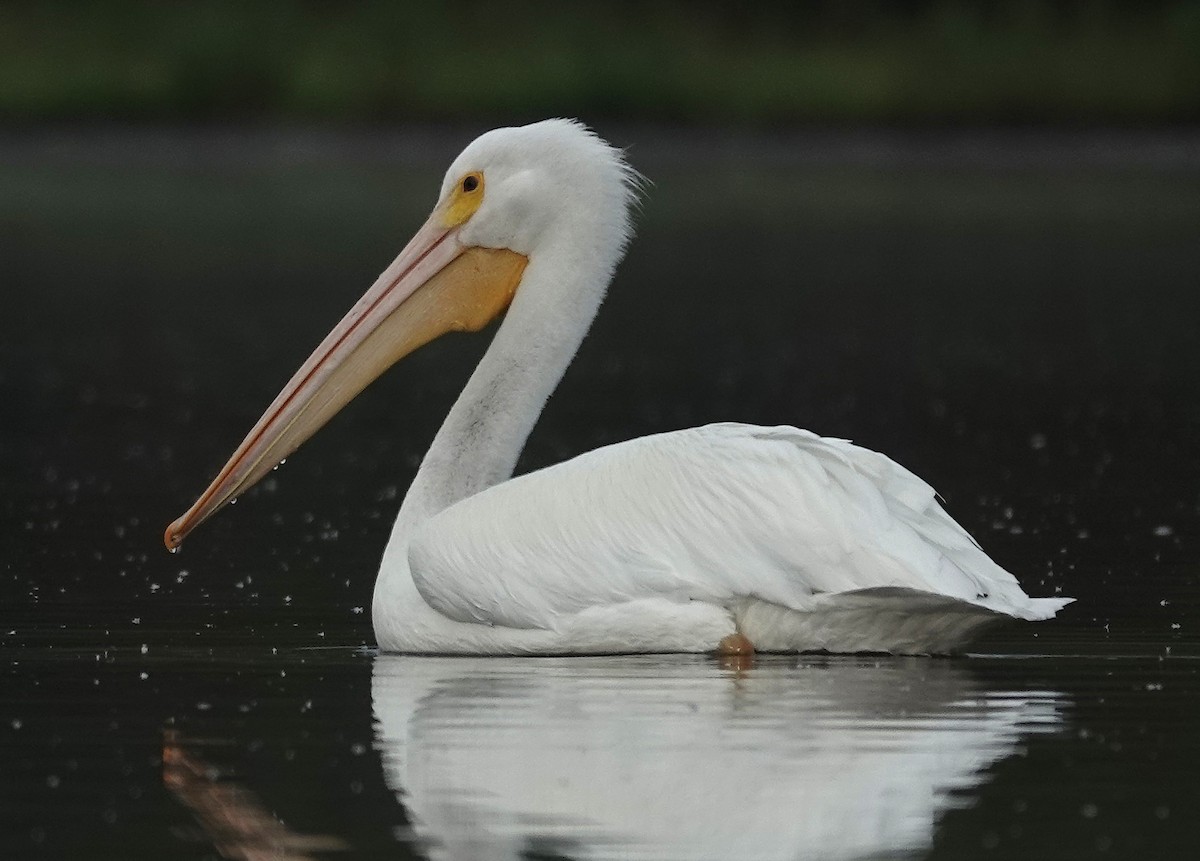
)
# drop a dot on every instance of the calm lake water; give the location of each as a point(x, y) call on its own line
point(1013, 317)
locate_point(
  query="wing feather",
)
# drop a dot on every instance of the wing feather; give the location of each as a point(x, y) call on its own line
point(718, 513)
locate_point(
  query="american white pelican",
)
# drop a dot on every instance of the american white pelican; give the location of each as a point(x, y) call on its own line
point(729, 536)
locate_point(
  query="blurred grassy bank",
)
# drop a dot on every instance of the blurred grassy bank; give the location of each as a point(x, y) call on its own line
point(851, 61)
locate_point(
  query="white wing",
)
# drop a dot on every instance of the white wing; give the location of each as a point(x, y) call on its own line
point(719, 514)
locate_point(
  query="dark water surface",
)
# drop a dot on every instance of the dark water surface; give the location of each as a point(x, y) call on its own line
point(1013, 318)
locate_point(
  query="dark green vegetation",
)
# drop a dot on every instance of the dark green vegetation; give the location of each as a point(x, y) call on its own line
point(381, 60)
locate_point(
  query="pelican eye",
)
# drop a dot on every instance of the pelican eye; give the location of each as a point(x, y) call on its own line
point(465, 198)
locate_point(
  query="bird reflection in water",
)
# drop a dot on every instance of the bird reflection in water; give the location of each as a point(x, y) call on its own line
point(231, 816)
point(668, 757)
point(655, 757)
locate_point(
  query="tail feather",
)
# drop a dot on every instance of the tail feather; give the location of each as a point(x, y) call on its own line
point(1044, 608)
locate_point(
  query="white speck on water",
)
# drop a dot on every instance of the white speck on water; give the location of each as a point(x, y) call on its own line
point(357, 611)
point(1154, 686)
point(233, 501)
point(1089, 811)
point(137, 620)
point(143, 675)
point(145, 648)
point(53, 781)
point(202, 706)
point(1163, 531)
point(1037, 442)
point(174, 549)
point(1162, 811)
point(16, 723)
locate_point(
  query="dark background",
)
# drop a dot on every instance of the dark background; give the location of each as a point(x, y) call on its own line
point(914, 63)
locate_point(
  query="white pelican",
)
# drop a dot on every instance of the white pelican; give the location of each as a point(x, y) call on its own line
point(730, 537)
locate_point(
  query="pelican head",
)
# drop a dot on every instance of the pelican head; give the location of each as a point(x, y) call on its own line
point(511, 187)
point(514, 198)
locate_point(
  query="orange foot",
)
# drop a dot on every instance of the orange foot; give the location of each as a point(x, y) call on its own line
point(735, 644)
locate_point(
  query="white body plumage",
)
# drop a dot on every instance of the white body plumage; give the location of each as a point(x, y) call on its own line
point(672, 542)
